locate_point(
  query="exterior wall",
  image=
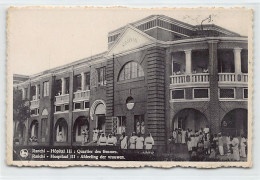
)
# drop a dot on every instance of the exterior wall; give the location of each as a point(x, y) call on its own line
point(136, 88)
point(151, 93)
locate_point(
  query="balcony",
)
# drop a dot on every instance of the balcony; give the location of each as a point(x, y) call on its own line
point(61, 99)
point(81, 95)
point(190, 79)
point(231, 79)
point(202, 79)
point(35, 104)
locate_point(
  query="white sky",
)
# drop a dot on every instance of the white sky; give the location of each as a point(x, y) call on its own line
point(40, 39)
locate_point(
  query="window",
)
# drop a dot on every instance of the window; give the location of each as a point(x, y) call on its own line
point(57, 108)
point(121, 124)
point(101, 76)
point(46, 88)
point(176, 67)
point(227, 93)
point(25, 93)
point(44, 130)
point(57, 87)
point(87, 78)
point(77, 84)
point(139, 124)
point(245, 93)
point(39, 91)
point(76, 106)
point(201, 93)
point(86, 105)
point(66, 107)
point(35, 111)
point(130, 70)
point(178, 94)
point(67, 90)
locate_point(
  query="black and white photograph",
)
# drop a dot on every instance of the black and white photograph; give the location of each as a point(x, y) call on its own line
point(109, 85)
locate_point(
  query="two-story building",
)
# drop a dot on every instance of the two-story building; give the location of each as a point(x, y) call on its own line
point(158, 74)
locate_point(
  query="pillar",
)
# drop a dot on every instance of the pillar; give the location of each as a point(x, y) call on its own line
point(36, 92)
point(237, 59)
point(23, 93)
point(188, 69)
point(83, 81)
point(214, 120)
point(63, 86)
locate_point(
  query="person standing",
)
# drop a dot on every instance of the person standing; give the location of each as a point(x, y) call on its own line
point(114, 139)
point(183, 136)
point(174, 135)
point(86, 136)
point(189, 144)
point(102, 141)
point(95, 135)
point(228, 143)
point(110, 140)
point(220, 144)
point(235, 143)
point(149, 142)
point(206, 144)
point(179, 136)
point(132, 141)
point(123, 141)
point(83, 137)
point(243, 147)
point(139, 142)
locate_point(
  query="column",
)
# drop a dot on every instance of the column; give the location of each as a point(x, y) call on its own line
point(188, 69)
point(213, 120)
point(23, 93)
point(237, 59)
point(63, 86)
point(83, 81)
point(36, 92)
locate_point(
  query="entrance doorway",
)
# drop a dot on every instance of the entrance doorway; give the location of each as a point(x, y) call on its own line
point(234, 123)
point(189, 119)
point(100, 112)
point(101, 120)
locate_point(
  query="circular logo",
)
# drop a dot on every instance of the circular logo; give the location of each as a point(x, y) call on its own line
point(24, 153)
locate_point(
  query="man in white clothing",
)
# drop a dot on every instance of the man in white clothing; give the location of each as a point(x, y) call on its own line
point(132, 141)
point(243, 146)
point(139, 142)
point(123, 141)
point(102, 141)
point(149, 142)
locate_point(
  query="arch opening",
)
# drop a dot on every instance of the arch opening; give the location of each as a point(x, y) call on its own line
point(81, 125)
point(61, 130)
point(191, 119)
point(33, 133)
point(235, 122)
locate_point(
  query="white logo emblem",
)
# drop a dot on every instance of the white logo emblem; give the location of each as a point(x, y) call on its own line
point(24, 153)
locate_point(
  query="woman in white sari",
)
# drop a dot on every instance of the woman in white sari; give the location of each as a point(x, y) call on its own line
point(235, 143)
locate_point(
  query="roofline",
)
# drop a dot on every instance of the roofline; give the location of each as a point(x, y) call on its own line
point(69, 65)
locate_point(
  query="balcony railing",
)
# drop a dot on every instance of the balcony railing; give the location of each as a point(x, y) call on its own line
point(190, 78)
point(35, 104)
point(203, 78)
point(82, 95)
point(62, 99)
point(233, 78)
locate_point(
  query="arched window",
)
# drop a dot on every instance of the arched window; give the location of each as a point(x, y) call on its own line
point(131, 70)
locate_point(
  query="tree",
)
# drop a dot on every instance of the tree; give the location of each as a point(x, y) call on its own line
point(21, 108)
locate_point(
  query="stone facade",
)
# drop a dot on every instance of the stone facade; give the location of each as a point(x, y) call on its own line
point(152, 53)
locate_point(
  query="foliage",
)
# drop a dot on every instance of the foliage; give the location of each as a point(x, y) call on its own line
point(21, 108)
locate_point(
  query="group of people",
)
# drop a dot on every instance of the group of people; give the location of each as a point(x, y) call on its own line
point(136, 141)
point(125, 142)
point(109, 140)
point(194, 71)
point(203, 143)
